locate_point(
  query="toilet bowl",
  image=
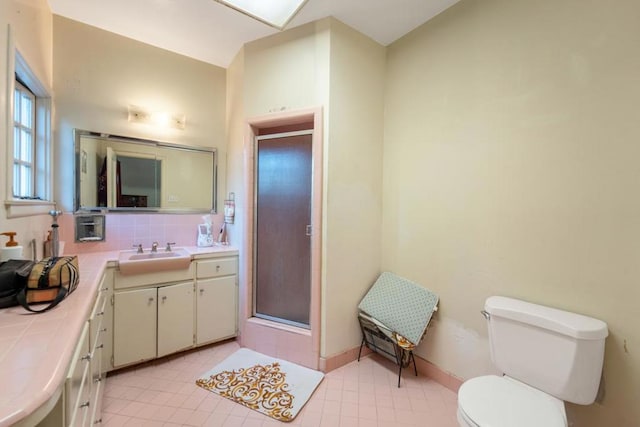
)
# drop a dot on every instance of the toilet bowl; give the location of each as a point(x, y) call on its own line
point(504, 402)
point(548, 356)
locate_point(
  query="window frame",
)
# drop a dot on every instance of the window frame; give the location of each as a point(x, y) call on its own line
point(18, 68)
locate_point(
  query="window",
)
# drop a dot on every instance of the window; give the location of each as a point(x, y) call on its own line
point(276, 13)
point(24, 135)
point(28, 161)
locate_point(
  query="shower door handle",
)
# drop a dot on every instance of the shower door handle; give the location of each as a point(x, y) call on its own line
point(308, 230)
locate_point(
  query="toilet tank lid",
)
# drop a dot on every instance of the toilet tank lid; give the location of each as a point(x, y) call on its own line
point(563, 322)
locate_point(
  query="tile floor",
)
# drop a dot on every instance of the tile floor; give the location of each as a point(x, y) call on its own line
point(364, 394)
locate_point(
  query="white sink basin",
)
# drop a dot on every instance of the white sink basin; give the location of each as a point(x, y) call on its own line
point(132, 262)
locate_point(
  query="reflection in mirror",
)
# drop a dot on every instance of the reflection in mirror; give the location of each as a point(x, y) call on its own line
point(117, 173)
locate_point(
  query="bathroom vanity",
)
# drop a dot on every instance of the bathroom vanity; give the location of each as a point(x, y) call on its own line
point(160, 313)
point(53, 365)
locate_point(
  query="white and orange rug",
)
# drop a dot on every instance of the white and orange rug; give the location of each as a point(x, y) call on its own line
point(274, 387)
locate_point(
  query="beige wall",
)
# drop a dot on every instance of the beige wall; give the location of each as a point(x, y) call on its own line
point(353, 183)
point(287, 71)
point(97, 74)
point(511, 168)
point(236, 184)
point(31, 27)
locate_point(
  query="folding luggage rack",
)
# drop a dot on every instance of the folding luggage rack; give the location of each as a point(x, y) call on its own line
point(394, 316)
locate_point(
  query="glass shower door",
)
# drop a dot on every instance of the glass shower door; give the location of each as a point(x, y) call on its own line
point(282, 258)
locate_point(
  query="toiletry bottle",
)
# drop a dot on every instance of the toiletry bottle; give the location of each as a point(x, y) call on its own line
point(12, 250)
point(47, 245)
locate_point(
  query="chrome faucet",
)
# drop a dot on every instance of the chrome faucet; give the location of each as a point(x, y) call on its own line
point(139, 247)
point(154, 247)
point(168, 248)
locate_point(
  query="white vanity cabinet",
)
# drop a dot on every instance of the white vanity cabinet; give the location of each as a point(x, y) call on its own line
point(152, 322)
point(160, 313)
point(216, 299)
point(152, 318)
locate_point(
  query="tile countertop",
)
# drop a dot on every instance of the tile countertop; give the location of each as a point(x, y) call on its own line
point(36, 349)
point(199, 252)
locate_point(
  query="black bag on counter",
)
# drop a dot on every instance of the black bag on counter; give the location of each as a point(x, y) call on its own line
point(13, 278)
point(50, 281)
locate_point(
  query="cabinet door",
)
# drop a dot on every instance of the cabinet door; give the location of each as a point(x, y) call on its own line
point(175, 318)
point(134, 326)
point(216, 309)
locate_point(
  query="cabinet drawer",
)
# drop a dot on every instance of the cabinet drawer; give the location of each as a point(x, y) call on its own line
point(216, 267)
point(79, 416)
point(76, 385)
point(95, 320)
point(97, 347)
point(96, 404)
point(97, 381)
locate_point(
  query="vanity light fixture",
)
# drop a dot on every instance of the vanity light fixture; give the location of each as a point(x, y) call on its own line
point(156, 118)
point(276, 13)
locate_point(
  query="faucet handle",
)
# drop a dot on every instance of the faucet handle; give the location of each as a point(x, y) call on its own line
point(154, 247)
point(139, 247)
point(168, 248)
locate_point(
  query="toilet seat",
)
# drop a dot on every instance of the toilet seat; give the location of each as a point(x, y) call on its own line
point(493, 401)
point(464, 420)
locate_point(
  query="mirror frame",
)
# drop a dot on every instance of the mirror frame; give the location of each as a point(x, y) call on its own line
point(79, 133)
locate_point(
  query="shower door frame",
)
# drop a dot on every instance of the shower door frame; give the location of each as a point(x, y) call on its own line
point(257, 140)
point(296, 344)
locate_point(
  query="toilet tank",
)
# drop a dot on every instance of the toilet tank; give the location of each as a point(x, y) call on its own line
point(558, 352)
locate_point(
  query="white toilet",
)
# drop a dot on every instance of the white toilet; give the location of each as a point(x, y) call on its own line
point(547, 356)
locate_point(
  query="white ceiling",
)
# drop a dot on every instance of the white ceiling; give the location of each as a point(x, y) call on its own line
point(213, 33)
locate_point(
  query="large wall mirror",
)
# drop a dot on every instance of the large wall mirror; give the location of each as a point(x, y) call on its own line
point(116, 173)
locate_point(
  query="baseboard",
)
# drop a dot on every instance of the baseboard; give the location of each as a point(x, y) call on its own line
point(424, 367)
point(443, 378)
point(334, 362)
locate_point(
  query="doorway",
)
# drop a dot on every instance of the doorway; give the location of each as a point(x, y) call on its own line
point(274, 328)
point(282, 223)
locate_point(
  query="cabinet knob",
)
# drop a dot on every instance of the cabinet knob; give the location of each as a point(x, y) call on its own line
point(85, 404)
point(201, 291)
point(164, 298)
point(150, 300)
point(217, 268)
point(87, 357)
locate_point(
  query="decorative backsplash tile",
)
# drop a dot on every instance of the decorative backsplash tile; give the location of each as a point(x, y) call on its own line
point(125, 230)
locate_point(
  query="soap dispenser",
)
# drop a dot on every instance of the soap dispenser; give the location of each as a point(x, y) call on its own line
point(12, 250)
